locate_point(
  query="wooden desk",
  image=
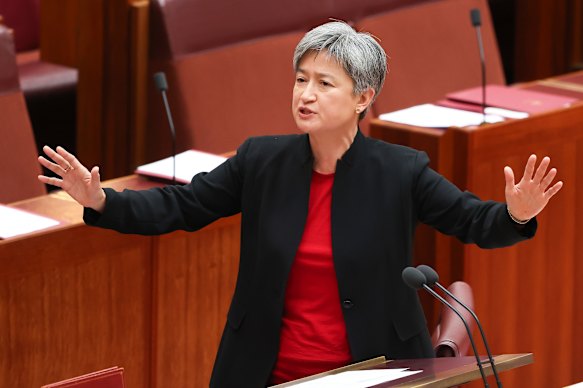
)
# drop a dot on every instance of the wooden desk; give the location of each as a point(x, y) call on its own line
point(75, 299)
point(434, 372)
point(526, 296)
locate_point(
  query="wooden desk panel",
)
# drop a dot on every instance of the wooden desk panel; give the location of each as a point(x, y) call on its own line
point(75, 299)
point(526, 295)
point(195, 280)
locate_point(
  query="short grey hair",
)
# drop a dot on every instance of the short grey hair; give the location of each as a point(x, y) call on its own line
point(361, 56)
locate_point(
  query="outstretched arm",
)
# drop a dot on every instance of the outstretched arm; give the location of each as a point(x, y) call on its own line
point(82, 185)
point(531, 194)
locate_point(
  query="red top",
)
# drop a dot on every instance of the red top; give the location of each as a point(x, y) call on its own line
point(313, 333)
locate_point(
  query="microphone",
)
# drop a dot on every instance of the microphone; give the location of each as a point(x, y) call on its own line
point(415, 279)
point(477, 22)
point(162, 86)
point(433, 279)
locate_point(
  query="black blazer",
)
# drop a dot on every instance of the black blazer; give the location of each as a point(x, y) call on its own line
point(381, 191)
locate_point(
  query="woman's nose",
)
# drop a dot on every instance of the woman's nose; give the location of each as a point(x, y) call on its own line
point(309, 92)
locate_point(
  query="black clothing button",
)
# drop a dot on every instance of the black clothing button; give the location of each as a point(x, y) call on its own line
point(347, 304)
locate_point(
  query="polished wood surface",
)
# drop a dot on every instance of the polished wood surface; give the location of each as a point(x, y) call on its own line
point(75, 299)
point(107, 43)
point(435, 372)
point(548, 38)
point(526, 295)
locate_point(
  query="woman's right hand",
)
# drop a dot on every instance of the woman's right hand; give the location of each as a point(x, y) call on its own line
point(82, 185)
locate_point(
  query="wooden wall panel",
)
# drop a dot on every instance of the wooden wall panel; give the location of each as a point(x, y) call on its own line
point(575, 39)
point(58, 31)
point(105, 42)
point(195, 279)
point(525, 294)
point(548, 38)
point(74, 301)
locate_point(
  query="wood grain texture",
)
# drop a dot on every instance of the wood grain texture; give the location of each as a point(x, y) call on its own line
point(107, 43)
point(547, 38)
point(74, 301)
point(195, 280)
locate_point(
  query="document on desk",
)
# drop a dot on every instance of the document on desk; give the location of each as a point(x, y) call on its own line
point(16, 222)
point(188, 164)
point(517, 99)
point(434, 116)
point(358, 378)
point(106, 378)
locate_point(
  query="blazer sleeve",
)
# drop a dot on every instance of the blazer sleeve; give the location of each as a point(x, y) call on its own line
point(442, 205)
point(190, 207)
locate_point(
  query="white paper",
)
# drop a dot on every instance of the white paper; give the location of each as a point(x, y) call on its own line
point(510, 114)
point(14, 222)
point(358, 378)
point(188, 164)
point(434, 116)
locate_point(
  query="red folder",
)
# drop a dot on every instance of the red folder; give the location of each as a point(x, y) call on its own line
point(106, 378)
point(516, 99)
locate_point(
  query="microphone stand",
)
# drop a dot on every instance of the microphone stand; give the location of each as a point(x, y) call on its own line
point(162, 86)
point(445, 302)
point(490, 358)
point(173, 133)
point(477, 22)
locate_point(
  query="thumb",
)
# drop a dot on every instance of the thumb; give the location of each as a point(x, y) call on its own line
point(95, 178)
point(509, 177)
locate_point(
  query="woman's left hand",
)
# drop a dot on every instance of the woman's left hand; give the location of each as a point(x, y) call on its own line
point(530, 196)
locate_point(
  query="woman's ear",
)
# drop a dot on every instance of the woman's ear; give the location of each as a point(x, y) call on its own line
point(364, 100)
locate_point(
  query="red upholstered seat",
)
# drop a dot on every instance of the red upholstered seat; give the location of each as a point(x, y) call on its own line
point(220, 97)
point(450, 338)
point(182, 27)
point(18, 165)
point(49, 89)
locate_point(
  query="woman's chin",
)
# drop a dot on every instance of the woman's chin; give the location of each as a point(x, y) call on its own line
point(305, 128)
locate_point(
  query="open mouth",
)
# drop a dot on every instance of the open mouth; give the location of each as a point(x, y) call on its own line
point(305, 111)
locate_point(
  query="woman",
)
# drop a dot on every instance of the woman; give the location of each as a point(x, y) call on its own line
point(328, 219)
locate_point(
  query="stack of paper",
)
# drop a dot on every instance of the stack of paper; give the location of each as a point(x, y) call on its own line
point(357, 379)
point(188, 164)
point(15, 222)
point(433, 116)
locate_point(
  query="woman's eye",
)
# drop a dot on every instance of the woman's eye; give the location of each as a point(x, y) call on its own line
point(300, 80)
point(325, 83)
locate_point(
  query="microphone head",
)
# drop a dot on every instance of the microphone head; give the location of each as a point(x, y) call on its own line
point(413, 278)
point(430, 274)
point(160, 81)
point(476, 18)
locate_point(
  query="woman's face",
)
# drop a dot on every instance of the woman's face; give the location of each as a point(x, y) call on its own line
point(323, 98)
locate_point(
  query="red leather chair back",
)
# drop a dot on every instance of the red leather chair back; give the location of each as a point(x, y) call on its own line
point(182, 27)
point(220, 97)
point(18, 157)
point(433, 50)
point(450, 337)
point(229, 64)
point(23, 17)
